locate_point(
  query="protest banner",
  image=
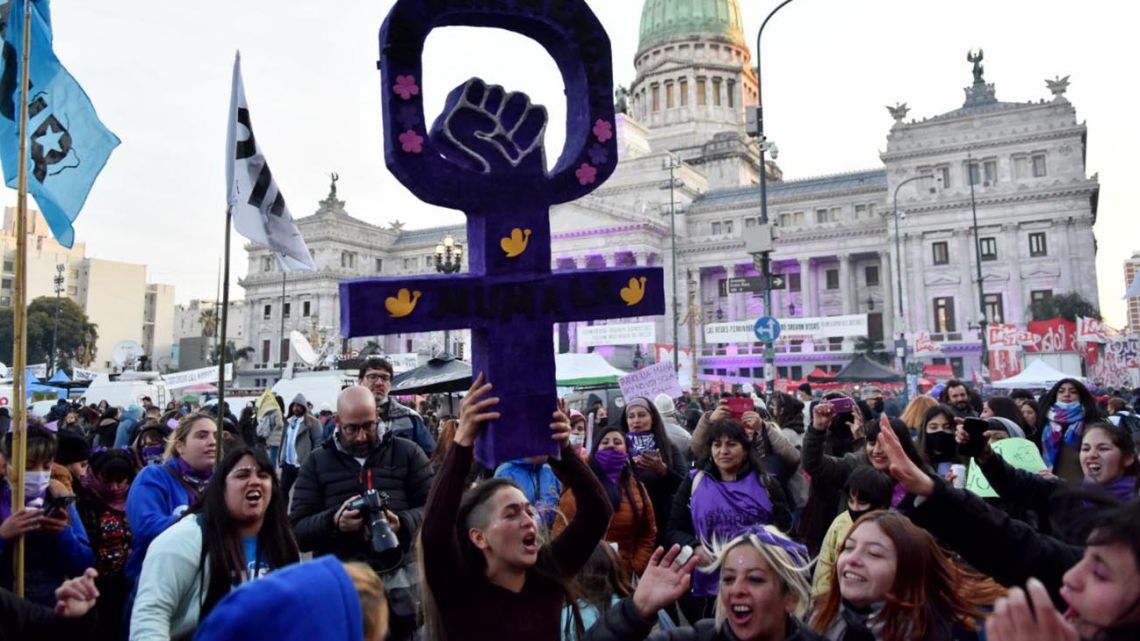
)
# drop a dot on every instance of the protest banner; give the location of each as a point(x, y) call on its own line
point(178, 380)
point(650, 381)
point(617, 334)
point(1020, 453)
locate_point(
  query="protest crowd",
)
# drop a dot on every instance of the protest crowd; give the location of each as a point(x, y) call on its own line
point(841, 516)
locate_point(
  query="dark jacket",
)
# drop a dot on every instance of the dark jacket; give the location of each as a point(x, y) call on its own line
point(331, 476)
point(662, 488)
point(994, 543)
point(404, 421)
point(623, 623)
point(22, 620)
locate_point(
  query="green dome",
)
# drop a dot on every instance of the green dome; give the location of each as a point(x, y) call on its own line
point(663, 20)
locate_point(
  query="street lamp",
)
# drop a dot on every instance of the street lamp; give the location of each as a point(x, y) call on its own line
point(971, 175)
point(58, 280)
point(766, 257)
point(671, 163)
point(448, 260)
point(901, 351)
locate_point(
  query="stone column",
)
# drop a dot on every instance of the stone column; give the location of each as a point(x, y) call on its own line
point(808, 287)
point(847, 289)
point(966, 310)
point(1013, 298)
point(890, 306)
point(732, 305)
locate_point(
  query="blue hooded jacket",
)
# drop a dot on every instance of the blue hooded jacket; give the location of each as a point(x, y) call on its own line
point(538, 482)
point(311, 600)
point(128, 422)
point(156, 500)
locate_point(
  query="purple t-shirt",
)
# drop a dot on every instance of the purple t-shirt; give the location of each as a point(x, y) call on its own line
point(721, 510)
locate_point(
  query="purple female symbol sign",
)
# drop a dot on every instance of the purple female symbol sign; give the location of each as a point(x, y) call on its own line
point(484, 155)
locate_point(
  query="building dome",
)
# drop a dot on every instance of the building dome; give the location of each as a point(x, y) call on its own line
point(664, 20)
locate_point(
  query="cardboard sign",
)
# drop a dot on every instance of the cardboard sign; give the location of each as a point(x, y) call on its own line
point(650, 381)
point(1020, 453)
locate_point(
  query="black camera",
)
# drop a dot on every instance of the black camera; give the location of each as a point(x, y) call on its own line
point(372, 506)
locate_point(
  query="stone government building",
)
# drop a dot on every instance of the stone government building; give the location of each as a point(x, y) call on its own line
point(835, 234)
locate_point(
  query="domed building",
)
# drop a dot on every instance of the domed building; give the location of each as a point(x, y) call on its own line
point(1021, 163)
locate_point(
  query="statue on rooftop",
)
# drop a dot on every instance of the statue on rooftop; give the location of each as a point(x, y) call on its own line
point(979, 70)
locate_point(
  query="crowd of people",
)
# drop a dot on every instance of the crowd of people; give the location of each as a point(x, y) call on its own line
point(796, 516)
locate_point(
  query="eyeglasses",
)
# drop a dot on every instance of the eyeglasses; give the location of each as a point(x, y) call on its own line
point(352, 429)
point(372, 378)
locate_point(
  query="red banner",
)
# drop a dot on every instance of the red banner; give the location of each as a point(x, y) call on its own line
point(1004, 364)
point(1056, 335)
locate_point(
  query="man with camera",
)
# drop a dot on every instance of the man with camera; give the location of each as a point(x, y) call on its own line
point(361, 497)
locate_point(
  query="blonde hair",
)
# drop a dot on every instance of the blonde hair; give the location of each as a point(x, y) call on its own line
point(373, 603)
point(791, 571)
point(182, 432)
point(915, 413)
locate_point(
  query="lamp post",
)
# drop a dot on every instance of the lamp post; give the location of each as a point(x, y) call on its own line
point(972, 175)
point(448, 260)
point(766, 257)
point(671, 163)
point(58, 281)
point(901, 352)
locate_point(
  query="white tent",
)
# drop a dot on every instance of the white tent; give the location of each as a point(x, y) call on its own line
point(1037, 374)
point(571, 370)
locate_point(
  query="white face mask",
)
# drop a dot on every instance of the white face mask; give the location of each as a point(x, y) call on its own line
point(35, 485)
point(577, 439)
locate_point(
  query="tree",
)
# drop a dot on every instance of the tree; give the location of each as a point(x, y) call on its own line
point(75, 340)
point(1068, 306)
point(209, 320)
point(233, 354)
point(371, 348)
point(872, 349)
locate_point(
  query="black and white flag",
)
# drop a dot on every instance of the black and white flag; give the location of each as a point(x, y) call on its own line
point(259, 210)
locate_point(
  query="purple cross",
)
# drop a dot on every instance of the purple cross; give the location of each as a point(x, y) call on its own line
point(484, 155)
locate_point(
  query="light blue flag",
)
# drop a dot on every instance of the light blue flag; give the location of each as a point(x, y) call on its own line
point(67, 144)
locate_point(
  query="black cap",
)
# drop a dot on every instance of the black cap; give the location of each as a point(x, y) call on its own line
point(73, 448)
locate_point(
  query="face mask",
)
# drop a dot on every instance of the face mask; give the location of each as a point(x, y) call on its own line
point(941, 446)
point(857, 514)
point(577, 439)
point(612, 462)
point(152, 454)
point(1071, 405)
point(876, 404)
point(35, 485)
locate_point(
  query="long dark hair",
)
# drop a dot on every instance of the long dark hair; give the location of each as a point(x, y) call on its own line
point(731, 429)
point(220, 541)
point(932, 413)
point(1045, 405)
point(902, 433)
point(664, 445)
point(1006, 407)
point(602, 578)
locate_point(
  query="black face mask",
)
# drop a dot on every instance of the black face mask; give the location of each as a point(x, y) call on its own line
point(857, 514)
point(941, 446)
point(876, 404)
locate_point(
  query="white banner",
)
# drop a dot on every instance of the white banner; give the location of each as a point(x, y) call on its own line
point(39, 370)
point(1089, 330)
point(823, 327)
point(403, 362)
point(78, 374)
point(179, 380)
point(617, 334)
point(734, 332)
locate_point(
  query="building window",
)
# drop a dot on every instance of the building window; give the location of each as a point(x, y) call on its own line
point(832, 276)
point(9, 266)
point(702, 98)
point(306, 309)
point(728, 226)
point(988, 248)
point(983, 172)
point(267, 312)
point(683, 88)
point(872, 274)
point(6, 283)
point(860, 211)
point(716, 92)
point(827, 215)
point(716, 228)
point(266, 263)
point(875, 326)
point(1040, 296)
point(941, 251)
point(794, 282)
point(265, 347)
point(379, 265)
point(288, 308)
point(944, 315)
point(994, 309)
point(1037, 246)
point(285, 350)
point(974, 175)
point(1020, 166)
point(749, 222)
point(731, 86)
point(669, 104)
point(655, 93)
point(792, 219)
point(722, 288)
point(1039, 166)
point(347, 260)
point(409, 263)
point(943, 172)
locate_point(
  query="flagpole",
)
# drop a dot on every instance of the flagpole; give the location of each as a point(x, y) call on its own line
point(19, 461)
point(221, 406)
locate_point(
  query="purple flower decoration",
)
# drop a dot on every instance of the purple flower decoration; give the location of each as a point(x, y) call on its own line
point(586, 174)
point(598, 155)
point(406, 87)
point(411, 142)
point(407, 117)
point(603, 130)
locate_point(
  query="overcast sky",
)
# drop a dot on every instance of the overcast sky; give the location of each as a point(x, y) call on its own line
point(159, 74)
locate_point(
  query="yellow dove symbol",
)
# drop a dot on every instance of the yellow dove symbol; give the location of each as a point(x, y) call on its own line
point(402, 304)
point(515, 245)
point(633, 294)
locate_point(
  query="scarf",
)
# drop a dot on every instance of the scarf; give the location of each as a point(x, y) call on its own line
point(857, 625)
point(191, 476)
point(115, 499)
point(1066, 424)
point(1123, 489)
point(612, 462)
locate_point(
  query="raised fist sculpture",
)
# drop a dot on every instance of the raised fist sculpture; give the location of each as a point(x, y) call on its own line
point(491, 131)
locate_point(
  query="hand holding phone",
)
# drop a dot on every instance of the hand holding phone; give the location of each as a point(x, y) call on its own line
point(976, 431)
point(842, 405)
point(55, 507)
point(738, 406)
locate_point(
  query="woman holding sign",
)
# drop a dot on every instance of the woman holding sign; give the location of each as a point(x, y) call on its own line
point(1107, 458)
point(658, 463)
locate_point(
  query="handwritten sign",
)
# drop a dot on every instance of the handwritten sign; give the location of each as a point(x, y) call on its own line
point(1020, 453)
point(650, 381)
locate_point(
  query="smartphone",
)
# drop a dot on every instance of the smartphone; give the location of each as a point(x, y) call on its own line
point(738, 406)
point(842, 405)
point(976, 428)
point(55, 507)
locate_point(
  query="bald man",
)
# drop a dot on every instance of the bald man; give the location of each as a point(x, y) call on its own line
point(358, 458)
